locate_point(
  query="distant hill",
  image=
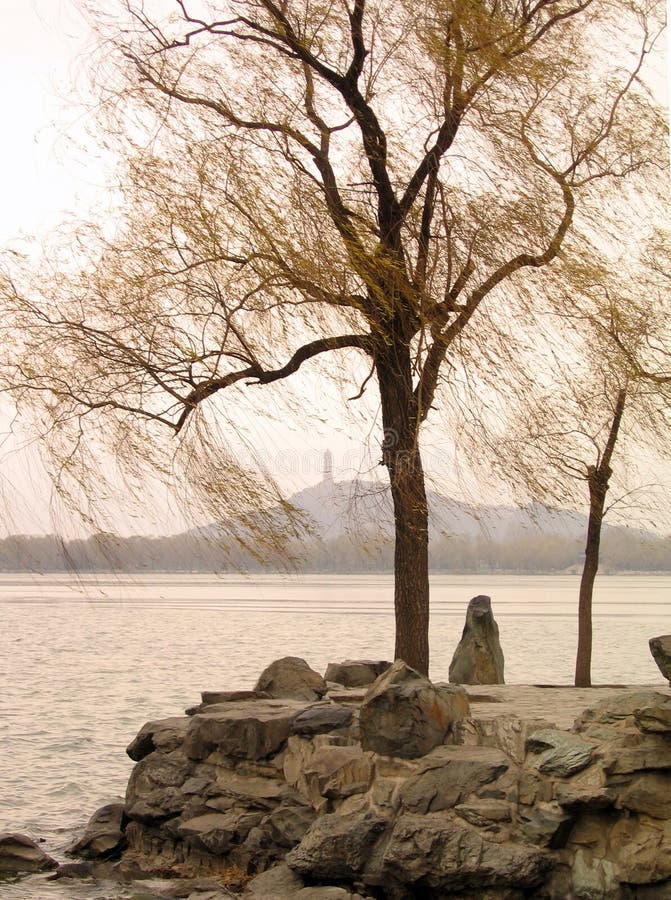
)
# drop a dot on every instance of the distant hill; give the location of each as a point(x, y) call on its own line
point(352, 531)
point(348, 507)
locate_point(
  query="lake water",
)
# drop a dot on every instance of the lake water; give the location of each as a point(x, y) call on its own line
point(85, 662)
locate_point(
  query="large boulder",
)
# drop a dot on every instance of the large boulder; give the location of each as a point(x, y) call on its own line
point(248, 729)
point(356, 672)
point(19, 853)
point(404, 715)
point(438, 855)
point(103, 836)
point(660, 647)
point(478, 658)
point(337, 847)
point(291, 677)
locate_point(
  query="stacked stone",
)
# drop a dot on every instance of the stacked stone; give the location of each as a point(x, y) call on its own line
point(399, 792)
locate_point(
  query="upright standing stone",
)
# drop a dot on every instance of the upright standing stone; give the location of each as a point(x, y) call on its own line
point(478, 658)
point(660, 647)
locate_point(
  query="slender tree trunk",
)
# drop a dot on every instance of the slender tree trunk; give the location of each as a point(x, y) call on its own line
point(597, 501)
point(598, 479)
point(402, 457)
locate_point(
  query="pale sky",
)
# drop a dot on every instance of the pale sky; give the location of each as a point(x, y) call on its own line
point(43, 177)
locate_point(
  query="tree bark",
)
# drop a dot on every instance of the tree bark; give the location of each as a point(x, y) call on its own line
point(598, 478)
point(401, 455)
point(598, 486)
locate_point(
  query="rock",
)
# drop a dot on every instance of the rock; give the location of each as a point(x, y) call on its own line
point(79, 871)
point(506, 732)
point(288, 824)
point(403, 714)
point(104, 834)
point(615, 710)
point(19, 853)
point(253, 792)
point(321, 718)
point(624, 756)
point(545, 824)
point(648, 793)
point(655, 717)
point(210, 698)
point(319, 770)
point(336, 847)
point(448, 775)
point(154, 790)
point(478, 658)
point(218, 832)
point(558, 753)
point(660, 647)
point(279, 882)
point(291, 677)
point(640, 850)
point(250, 729)
point(441, 854)
point(355, 672)
point(166, 735)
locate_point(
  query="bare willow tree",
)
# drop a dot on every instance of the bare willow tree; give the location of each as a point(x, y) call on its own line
point(306, 179)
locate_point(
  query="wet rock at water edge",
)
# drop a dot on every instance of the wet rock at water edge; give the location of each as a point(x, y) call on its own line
point(660, 647)
point(404, 715)
point(19, 853)
point(478, 658)
point(292, 678)
point(103, 836)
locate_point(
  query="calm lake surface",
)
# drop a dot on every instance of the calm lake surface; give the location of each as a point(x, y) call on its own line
point(86, 661)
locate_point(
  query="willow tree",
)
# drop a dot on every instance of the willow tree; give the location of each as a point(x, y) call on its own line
point(305, 179)
point(592, 431)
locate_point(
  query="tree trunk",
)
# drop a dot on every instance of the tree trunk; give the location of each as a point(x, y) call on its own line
point(402, 457)
point(597, 501)
point(598, 478)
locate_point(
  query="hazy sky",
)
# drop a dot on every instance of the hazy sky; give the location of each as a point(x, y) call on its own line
point(43, 178)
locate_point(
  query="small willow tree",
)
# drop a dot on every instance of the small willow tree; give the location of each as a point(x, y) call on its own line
point(360, 180)
point(594, 429)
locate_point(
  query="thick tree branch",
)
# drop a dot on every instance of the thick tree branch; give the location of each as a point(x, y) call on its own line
point(266, 376)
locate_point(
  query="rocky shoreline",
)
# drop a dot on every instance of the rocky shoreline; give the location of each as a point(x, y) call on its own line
point(372, 782)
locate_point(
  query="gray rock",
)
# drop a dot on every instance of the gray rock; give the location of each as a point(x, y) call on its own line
point(660, 647)
point(355, 672)
point(560, 753)
point(403, 714)
point(616, 709)
point(154, 790)
point(251, 791)
point(250, 729)
point(336, 847)
point(321, 718)
point(448, 775)
point(165, 735)
point(210, 698)
point(291, 677)
point(19, 853)
point(478, 658)
point(288, 824)
point(443, 854)
point(218, 832)
point(104, 834)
